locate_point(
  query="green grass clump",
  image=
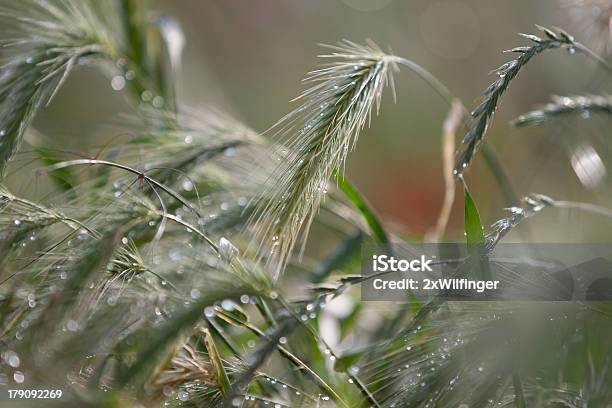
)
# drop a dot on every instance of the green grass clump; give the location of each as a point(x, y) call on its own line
point(169, 268)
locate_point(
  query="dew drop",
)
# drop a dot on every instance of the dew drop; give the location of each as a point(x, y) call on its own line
point(187, 185)
point(183, 396)
point(72, 325)
point(146, 96)
point(118, 83)
point(12, 358)
point(18, 377)
point(158, 102)
point(228, 305)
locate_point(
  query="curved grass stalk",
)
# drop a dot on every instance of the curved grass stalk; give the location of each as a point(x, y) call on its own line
point(586, 207)
point(285, 384)
point(220, 249)
point(26, 211)
point(449, 129)
point(564, 106)
point(129, 169)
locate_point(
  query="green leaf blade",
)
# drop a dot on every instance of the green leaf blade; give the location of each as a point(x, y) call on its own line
point(378, 232)
point(473, 226)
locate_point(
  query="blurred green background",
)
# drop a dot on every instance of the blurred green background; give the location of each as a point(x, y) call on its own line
point(249, 57)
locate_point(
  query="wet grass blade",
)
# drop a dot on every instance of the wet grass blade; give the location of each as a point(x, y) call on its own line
point(474, 233)
point(473, 227)
point(378, 232)
point(215, 359)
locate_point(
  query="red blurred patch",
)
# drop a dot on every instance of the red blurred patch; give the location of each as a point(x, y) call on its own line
point(413, 201)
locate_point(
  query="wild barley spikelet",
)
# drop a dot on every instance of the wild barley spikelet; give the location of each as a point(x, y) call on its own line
point(507, 72)
point(565, 105)
point(533, 204)
point(47, 41)
point(315, 140)
point(186, 366)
